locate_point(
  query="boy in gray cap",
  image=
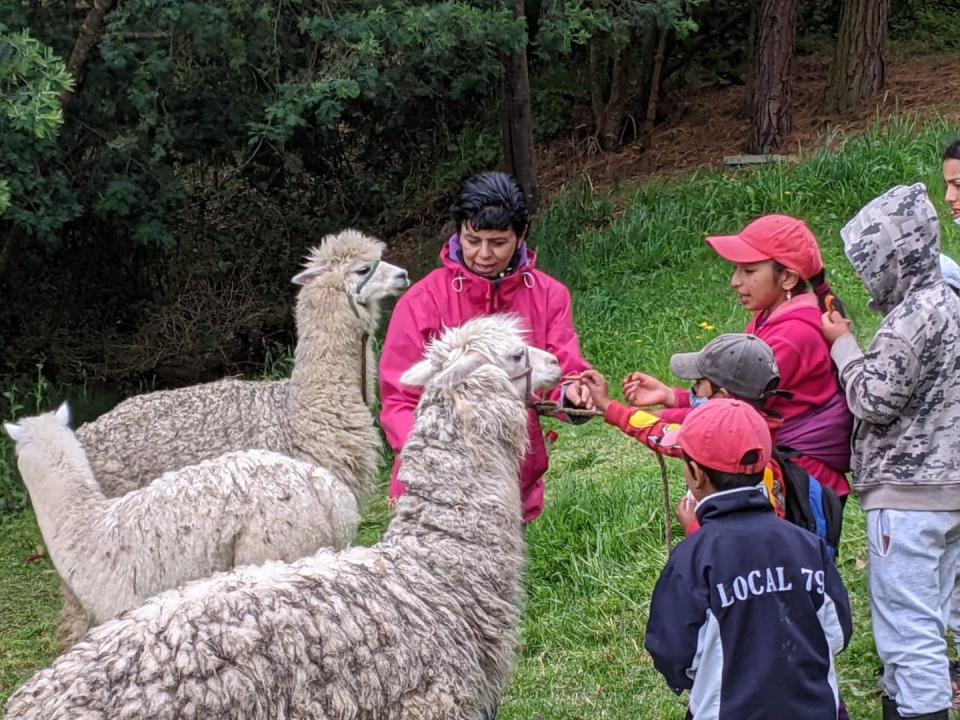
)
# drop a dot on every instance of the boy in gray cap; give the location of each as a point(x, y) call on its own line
point(735, 365)
point(905, 393)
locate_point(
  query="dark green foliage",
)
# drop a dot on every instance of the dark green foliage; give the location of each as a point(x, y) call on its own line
point(211, 137)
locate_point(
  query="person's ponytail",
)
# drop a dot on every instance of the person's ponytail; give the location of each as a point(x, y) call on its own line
point(827, 299)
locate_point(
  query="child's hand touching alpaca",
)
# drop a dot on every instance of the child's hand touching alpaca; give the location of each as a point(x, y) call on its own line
point(598, 387)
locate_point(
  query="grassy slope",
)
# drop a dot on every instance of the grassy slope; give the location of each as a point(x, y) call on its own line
point(643, 283)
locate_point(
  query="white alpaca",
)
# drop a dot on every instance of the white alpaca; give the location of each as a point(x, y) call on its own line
point(421, 626)
point(242, 508)
point(321, 415)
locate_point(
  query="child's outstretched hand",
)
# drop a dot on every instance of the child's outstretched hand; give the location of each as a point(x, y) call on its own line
point(642, 390)
point(835, 326)
point(598, 387)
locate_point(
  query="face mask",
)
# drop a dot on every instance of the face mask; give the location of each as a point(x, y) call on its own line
point(696, 401)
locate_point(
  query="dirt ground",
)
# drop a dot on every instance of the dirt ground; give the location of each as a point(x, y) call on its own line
point(705, 124)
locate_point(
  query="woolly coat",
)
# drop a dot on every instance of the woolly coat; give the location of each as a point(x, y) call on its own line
point(450, 296)
point(403, 630)
point(242, 508)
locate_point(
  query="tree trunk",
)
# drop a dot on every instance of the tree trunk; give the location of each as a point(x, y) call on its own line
point(772, 111)
point(646, 134)
point(609, 106)
point(746, 110)
point(860, 58)
point(14, 241)
point(518, 122)
point(90, 33)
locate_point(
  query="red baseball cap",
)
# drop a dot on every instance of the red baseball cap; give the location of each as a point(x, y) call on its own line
point(772, 237)
point(720, 432)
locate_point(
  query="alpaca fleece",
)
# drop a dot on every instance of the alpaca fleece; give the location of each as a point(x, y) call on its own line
point(242, 508)
point(422, 625)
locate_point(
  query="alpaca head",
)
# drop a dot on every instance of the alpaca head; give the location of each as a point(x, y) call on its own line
point(491, 340)
point(31, 436)
point(476, 381)
point(27, 429)
point(349, 262)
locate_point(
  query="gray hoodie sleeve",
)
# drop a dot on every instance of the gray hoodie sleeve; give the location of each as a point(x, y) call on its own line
point(880, 383)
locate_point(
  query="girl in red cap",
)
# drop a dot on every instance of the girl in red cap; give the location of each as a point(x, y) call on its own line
point(774, 258)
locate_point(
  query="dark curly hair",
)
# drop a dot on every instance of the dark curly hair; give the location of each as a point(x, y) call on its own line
point(491, 201)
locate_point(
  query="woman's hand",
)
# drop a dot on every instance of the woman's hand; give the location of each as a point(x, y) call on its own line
point(642, 390)
point(597, 388)
point(578, 394)
point(835, 326)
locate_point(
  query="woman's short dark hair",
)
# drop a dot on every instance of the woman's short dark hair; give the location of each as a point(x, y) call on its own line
point(953, 151)
point(491, 201)
point(730, 481)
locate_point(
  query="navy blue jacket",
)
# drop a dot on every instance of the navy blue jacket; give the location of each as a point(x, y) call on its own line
point(748, 615)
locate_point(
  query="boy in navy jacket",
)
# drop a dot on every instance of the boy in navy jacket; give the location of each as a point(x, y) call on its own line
point(749, 611)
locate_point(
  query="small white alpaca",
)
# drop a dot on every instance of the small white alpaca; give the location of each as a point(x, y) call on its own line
point(242, 508)
point(421, 626)
point(320, 415)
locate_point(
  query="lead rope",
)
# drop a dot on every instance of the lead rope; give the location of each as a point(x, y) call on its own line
point(667, 522)
point(353, 299)
point(552, 409)
point(363, 367)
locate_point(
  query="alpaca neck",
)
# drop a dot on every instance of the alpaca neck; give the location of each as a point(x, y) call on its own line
point(330, 422)
point(454, 494)
point(331, 351)
point(63, 490)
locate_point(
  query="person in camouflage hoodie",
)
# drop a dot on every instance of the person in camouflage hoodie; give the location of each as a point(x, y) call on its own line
point(904, 393)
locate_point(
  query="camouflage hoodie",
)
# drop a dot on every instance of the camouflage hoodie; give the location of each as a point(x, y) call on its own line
point(905, 391)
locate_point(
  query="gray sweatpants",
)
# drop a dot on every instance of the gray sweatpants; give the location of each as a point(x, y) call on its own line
point(913, 568)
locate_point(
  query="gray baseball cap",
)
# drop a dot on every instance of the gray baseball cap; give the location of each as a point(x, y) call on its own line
point(742, 364)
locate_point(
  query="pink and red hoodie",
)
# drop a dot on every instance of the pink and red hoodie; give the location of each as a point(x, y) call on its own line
point(450, 296)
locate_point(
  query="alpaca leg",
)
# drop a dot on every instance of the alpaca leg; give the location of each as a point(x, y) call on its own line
point(73, 620)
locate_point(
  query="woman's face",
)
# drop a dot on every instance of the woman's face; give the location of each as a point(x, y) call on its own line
point(488, 252)
point(951, 175)
point(759, 288)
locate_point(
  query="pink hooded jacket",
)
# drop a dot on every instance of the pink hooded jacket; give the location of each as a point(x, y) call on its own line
point(448, 297)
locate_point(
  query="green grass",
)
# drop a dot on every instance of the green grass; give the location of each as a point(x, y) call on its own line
point(643, 282)
point(29, 603)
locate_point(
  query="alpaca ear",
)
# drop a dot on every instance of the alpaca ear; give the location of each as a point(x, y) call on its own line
point(307, 276)
point(460, 369)
point(63, 414)
point(14, 431)
point(418, 375)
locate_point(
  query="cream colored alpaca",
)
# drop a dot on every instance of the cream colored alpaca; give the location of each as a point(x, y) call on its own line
point(242, 508)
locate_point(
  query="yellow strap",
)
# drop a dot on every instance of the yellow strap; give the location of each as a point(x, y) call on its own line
point(642, 419)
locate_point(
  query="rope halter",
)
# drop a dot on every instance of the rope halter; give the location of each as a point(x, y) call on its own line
point(353, 296)
point(527, 372)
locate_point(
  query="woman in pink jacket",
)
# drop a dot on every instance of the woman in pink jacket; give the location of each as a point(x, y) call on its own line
point(486, 268)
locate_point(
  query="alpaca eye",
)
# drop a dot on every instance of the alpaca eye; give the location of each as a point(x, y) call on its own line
point(518, 356)
point(361, 271)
